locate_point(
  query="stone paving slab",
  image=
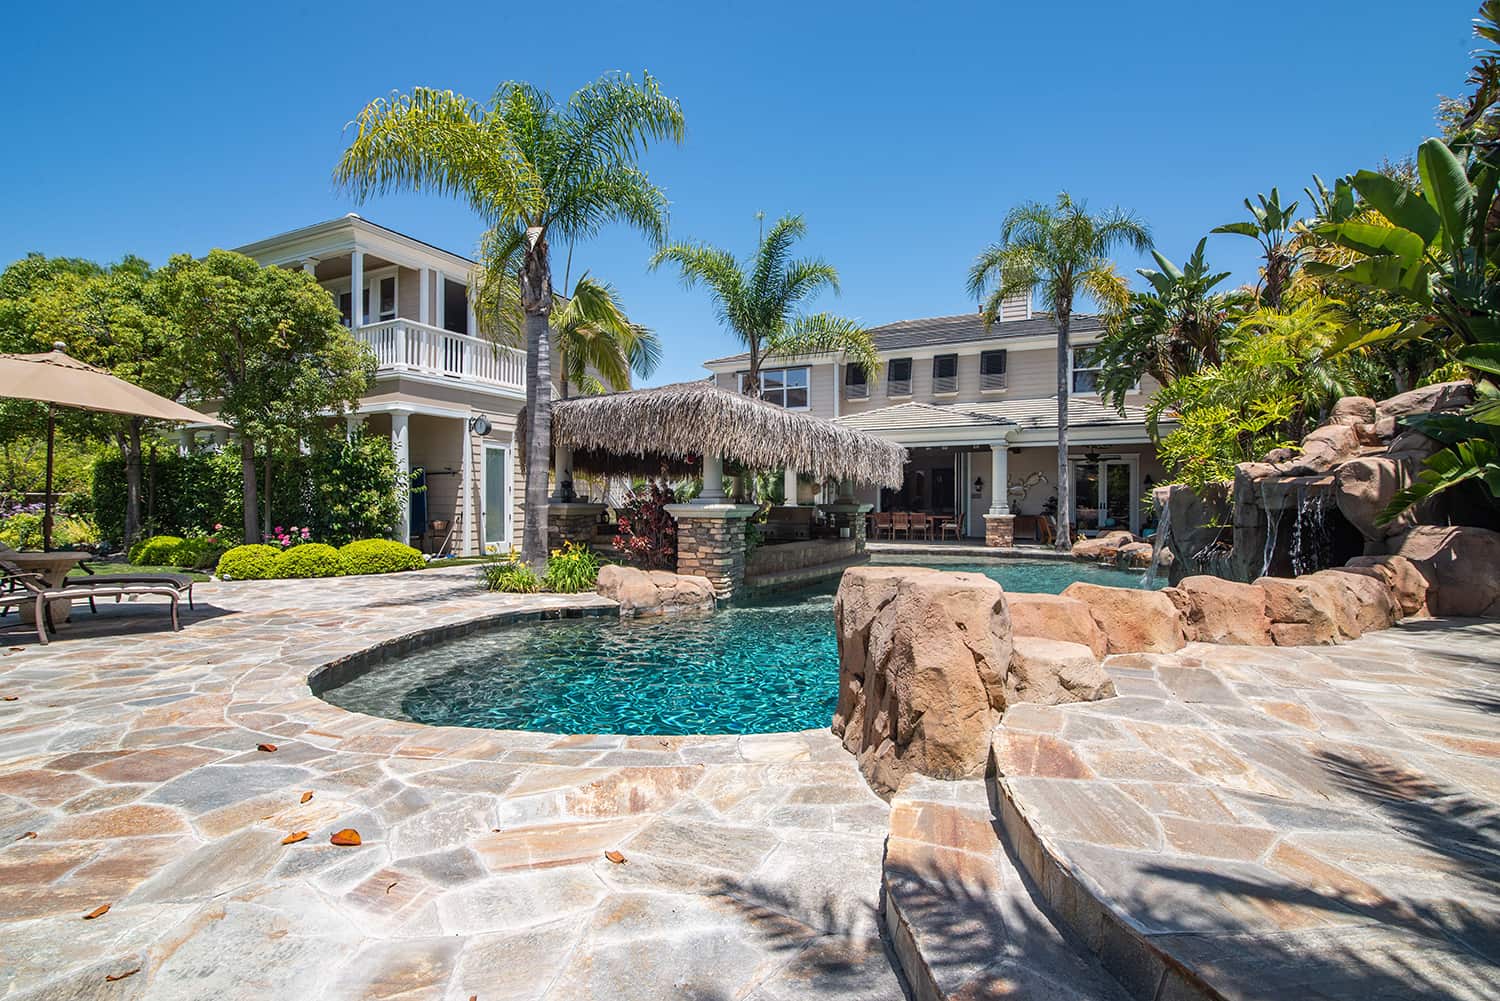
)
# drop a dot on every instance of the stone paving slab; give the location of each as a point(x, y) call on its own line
point(130, 776)
point(1275, 822)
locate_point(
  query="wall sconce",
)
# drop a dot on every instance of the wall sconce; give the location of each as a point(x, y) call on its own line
point(978, 484)
point(1149, 482)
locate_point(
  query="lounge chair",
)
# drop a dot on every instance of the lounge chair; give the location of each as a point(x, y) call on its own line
point(182, 582)
point(38, 592)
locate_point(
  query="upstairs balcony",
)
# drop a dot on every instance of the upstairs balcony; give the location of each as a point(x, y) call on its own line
point(409, 347)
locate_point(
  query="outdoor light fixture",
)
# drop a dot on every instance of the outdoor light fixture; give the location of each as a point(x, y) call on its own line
point(978, 483)
point(479, 424)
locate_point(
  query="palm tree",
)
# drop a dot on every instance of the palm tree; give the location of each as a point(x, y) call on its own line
point(1270, 225)
point(533, 169)
point(757, 299)
point(1058, 250)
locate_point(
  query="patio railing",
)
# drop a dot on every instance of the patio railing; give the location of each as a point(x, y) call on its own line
point(409, 346)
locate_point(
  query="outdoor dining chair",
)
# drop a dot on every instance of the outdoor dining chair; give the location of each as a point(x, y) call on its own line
point(900, 522)
point(883, 524)
point(28, 587)
point(920, 526)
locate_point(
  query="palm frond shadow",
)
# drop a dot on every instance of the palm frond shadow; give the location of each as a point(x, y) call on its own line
point(1431, 932)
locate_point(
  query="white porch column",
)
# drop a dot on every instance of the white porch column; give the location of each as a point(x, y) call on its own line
point(310, 265)
point(424, 295)
point(789, 485)
point(713, 481)
point(465, 529)
point(352, 424)
point(473, 319)
point(562, 471)
point(399, 445)
point(184, 442)
point(356, 289)
point(999, 477)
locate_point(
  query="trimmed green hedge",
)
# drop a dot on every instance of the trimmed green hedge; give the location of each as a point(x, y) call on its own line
point(248, 562)
point(157, 551)
point(379, 556)
point(311, 559)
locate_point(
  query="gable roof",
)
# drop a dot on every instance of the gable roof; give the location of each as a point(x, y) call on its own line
point(1028, 415)
point(920, 416)
point(935, 331)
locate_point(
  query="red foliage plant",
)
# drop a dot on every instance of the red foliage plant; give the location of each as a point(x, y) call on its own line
point(647, 534)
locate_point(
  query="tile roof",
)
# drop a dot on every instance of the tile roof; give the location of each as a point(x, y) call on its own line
point(934, 331)
point(1025, 414)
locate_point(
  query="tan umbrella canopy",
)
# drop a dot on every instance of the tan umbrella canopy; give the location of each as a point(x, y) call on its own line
point(57, 380)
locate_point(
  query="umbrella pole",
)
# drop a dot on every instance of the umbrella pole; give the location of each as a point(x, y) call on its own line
point(47, 497)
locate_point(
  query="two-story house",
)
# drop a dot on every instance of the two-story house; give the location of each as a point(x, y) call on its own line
point(977, 409)
point(447, 398)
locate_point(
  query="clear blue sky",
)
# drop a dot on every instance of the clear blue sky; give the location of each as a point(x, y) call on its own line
point(902, 132)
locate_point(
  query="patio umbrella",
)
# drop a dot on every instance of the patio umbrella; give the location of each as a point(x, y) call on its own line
point(57, 380)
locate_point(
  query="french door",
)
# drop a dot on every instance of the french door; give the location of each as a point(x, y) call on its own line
point(1104, 493)
point(495, 500)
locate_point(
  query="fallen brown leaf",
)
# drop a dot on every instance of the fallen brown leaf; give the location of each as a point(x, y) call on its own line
point(16, 649)
point(10, 698)
point(306, 796)
point(28, 834)
point(615, 857)
point(347, 838)
point(121, 976)
point(97, 912)
point(294, 837)
point(265, 747)
point(392, 886)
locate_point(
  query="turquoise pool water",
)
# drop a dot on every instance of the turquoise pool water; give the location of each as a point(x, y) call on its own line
point(761, 666)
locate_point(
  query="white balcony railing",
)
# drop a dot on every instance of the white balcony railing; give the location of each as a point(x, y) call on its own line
point(409, 346)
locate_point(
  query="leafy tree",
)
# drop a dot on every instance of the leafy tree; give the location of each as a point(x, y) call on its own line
point(267, 345)
point(112, 318)
point(1270, 225)
point(758, 299)
point(1172, 330)
point(1059, 251)
point(533, 169)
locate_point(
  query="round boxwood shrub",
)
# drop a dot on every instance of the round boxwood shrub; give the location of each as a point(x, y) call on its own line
point(311, 559)
point(379, 556)
point(253, 562)
point(157, 551)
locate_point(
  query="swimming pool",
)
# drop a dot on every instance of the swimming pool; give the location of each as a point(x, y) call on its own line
point(761, 666)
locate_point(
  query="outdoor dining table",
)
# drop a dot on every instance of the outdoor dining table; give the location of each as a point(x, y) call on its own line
point(53, 568)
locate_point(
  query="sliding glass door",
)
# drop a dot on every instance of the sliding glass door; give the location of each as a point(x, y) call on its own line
point(1104, 494)
point(495, 520)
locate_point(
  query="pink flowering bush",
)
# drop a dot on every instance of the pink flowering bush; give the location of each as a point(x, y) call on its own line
point(286, 538)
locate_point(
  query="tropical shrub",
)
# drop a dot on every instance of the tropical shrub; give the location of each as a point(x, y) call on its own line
point(647, 534)
point(22, 529)
point(157, 551)
point(311, 560)
point(253, 562)
point(573, 568)
point(379, 556)
point(511, 576)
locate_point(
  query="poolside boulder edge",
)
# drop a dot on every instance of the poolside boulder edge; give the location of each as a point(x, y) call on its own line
point(653, 592)
point(923, 660)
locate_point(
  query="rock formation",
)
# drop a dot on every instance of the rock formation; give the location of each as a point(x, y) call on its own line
point(653, 592)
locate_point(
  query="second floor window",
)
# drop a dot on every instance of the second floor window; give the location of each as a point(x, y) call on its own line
point(387, 298)
point(945, 374)
point(991, 371)
point(1085, 371)
point(898, 377)
point(856, 382)
point(785, 387)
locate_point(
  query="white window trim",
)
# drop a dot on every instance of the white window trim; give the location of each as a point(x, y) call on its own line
point(1073, 368)
point(739, 379)
point(339, 286)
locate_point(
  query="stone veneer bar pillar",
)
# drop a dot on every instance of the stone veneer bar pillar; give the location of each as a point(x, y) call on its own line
point(571, 523)
point(1000, 530)
point(711, 543)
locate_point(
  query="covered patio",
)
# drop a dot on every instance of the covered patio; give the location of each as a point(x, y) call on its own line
point(696, 428)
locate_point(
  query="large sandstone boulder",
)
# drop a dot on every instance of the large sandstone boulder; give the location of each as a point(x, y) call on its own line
point(1461, 564)
point(1132, 620)
point(1054, 617)
point(1224, 611)
point(1105, 546)
point(1353, 411)
point(653, 592)
point(1304, 611)
point(1366, 601)
point(1325, 448)
point(923, 658)
point(1364, 487)
point(1055, 672)
point(1443, 397)
point(1407, 585)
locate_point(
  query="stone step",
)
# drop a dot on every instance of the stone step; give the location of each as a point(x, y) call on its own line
point(964, 922)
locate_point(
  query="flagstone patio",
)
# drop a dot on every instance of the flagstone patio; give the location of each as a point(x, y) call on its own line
point(749, 867)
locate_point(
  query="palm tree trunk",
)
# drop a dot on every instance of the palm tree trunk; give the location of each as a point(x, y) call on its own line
point(1064, 485)
point(536, 299)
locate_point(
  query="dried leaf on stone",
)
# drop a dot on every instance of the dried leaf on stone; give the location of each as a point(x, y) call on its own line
point(97, 912)
point(347, 838)
point(265, 747)
point(10, 698)
point(294, 837)
point(28, 834)
point(306, 796)
point(121, 976)
point(615, 857)
point(391, 886)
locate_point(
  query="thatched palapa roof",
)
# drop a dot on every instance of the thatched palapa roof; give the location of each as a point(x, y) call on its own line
point(683, 420)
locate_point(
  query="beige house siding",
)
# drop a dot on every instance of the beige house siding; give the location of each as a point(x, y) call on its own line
point(408, 297)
